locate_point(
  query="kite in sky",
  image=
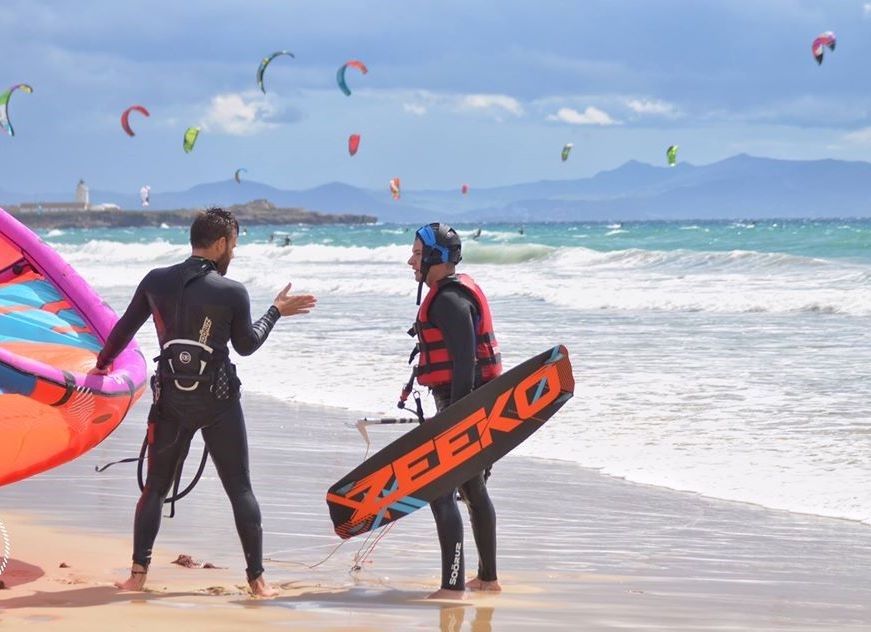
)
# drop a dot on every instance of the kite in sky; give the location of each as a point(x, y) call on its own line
point(5, 123)
point(190, 139)
point(265, 62)
point(820, 43)
point(125, 117)
point(340, 75)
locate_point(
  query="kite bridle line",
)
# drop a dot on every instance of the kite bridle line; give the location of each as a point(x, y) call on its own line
point(359, 559)
point(7, 548)
point(361, 424)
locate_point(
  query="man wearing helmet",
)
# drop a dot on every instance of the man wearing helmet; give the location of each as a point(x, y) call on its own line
point(458, 353)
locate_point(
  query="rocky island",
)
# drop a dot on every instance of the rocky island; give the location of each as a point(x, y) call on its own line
point(256, 212)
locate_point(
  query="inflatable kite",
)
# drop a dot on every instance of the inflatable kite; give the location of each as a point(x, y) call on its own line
point(340, 74)
point(822, 40)
point(671, 155)
point(125, 118)
point(5, 123)
point(353, 143)
point(190, 139)
point(52, 326)
point(265, 62)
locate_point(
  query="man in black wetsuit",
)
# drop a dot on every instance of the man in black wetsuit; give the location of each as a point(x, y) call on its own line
point(458, 353)
point(197, 311)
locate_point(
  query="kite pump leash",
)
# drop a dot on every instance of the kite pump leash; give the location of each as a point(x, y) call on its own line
point(176, 495)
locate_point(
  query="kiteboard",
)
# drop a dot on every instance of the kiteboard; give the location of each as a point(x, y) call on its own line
point(449, 449)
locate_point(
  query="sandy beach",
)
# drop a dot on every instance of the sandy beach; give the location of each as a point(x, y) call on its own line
point(577, 550)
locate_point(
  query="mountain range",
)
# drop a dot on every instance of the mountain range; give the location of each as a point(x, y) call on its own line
point(740, 187)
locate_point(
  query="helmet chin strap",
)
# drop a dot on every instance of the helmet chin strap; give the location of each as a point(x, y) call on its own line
point(424, 272)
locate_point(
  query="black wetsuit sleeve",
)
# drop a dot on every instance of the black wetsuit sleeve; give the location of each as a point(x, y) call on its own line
point(122, 333)
point(452, 312)
point(245, 335)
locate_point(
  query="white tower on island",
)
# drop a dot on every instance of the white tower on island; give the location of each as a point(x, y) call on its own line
point(82, 195)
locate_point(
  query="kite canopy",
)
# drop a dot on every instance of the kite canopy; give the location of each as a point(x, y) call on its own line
point(464, 189)
point(238, 175)
point(125, 117)
point(190, 139)
point(353, 143)
point(5, 123)
point(265, 62)
point(671, 155)
point(394, 188)
point(567, 149)
point(52, 325)
point(340, 74)
point(822, 40)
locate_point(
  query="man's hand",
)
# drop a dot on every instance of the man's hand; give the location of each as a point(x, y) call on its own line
point(289, 305)
point(96, 371)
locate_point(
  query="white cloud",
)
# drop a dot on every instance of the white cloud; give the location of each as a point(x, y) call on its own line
point(414, 108)
point(866, 9)
point(652, 106)
point(235, 115)
point(590, 116)
point(491, 101)
point(423, 102)
point(859, 137)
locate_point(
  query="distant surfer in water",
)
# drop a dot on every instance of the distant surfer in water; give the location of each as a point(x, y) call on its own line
point(197, 312)
point(458, 353)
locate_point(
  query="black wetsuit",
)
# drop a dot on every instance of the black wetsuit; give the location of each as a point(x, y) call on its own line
point(455, 313)
point(192, 301)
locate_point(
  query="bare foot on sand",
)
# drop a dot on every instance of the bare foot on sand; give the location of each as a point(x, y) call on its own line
point(483, 586)
point(259, 588)
point(444, 593)
point(136, 581)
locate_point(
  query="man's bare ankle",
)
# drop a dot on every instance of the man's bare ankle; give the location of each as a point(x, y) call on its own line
point(447, 593)
point(259, 588)
point(136, 581)
point(484, 585)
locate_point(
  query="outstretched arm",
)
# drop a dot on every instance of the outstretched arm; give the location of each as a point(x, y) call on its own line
point(247, 336)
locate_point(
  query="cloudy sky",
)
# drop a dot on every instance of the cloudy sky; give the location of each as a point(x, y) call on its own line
point(478, 91)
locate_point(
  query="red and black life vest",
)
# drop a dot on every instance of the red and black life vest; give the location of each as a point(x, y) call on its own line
point(435, 365)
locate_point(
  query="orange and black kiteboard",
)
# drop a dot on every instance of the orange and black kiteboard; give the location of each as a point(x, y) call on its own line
point(449, 449)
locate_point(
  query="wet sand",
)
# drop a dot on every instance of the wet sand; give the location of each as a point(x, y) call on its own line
point(577, 550)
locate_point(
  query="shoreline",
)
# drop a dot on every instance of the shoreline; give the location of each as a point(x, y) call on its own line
point(577, 549)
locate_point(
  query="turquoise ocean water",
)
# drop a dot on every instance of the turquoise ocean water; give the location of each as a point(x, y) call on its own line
point(727, 358)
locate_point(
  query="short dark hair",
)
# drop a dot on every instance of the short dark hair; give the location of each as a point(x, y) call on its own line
point(212, 224)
